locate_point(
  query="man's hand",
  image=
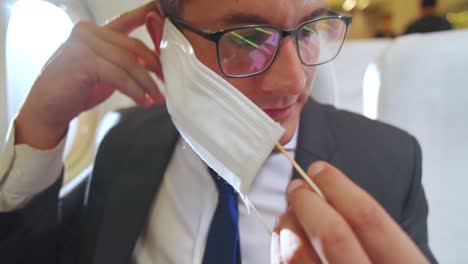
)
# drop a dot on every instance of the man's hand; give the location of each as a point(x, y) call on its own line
point(93, 63)
point(351, 227)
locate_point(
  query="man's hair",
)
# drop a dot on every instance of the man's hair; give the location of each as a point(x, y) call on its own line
point(170, 7)
point(424, 3)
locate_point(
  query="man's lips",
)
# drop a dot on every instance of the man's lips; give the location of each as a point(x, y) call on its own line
point(278, 114)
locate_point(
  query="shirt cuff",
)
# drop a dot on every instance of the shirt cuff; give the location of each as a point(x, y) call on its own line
point(26, 171)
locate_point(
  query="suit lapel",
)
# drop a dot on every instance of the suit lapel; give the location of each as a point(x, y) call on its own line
point(133, 191)
point(315, 141)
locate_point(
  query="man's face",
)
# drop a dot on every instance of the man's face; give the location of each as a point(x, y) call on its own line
point(283, 89)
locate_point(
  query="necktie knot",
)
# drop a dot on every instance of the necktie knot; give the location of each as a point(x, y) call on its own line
point(224, 188)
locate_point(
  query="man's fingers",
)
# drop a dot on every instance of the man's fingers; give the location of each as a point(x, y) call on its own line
point(124, 60)
point(294, 244)
point(131, 66)
point(114, 76)
point(379, 234)
point(135, 46)
point(275, 249)
point(324, 226)
point(133, 19)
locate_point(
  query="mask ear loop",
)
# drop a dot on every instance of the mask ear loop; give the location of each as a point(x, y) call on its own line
point(302, 173)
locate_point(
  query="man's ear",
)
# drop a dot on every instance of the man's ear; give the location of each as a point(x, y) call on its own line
point(155, 25)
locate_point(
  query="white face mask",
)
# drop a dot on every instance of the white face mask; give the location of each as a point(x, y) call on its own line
point(229, 132)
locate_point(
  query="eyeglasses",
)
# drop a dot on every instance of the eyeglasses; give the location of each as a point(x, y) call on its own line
point(250, 50)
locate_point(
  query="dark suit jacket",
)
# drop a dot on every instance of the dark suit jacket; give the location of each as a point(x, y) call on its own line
point(101, 220)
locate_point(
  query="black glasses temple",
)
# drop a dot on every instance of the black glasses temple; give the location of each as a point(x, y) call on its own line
point(347, 19)
point(207, 35)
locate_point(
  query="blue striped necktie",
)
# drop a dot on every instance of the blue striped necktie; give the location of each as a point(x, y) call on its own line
point(223, 243)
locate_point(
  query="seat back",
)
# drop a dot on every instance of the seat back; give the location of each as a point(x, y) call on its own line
point(4, 16)
point(351, 66)
point(425, 91)
point(324, 87)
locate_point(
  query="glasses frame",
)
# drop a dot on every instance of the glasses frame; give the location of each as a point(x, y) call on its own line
point(217, 35)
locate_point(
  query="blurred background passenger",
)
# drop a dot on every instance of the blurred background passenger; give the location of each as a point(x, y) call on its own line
point(385, 30)
point(429, 20)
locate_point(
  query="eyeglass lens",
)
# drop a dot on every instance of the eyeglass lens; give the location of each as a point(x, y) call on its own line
point(251, 50)
point(320, 41)
point(247, 50)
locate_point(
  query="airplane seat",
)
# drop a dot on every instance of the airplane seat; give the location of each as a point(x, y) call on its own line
point(425, 91)
point(4, 17)
point(324, 87)
point(351, 66)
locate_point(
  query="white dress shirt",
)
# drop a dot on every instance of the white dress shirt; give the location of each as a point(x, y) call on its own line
point(26, 171)
point(179, 221)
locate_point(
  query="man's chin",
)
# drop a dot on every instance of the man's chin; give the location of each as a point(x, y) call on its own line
point(290, 125)
point(290, 129)
point(285, 138)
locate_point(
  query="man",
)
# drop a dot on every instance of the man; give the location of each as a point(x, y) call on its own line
point(429, 21)
point(152, 200)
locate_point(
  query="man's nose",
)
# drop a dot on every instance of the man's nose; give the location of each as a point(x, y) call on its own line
point(286, 75)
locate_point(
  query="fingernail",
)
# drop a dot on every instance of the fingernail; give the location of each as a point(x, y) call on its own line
point(294, 185)
point(315, 168)
point(147, 101)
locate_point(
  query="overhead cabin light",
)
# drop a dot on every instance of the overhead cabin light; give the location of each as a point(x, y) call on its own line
point(363, 4)
point(349, 5)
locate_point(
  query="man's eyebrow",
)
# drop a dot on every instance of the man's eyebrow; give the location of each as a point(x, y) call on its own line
point(246, 18)
point(317, 13)
point(243, 18)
